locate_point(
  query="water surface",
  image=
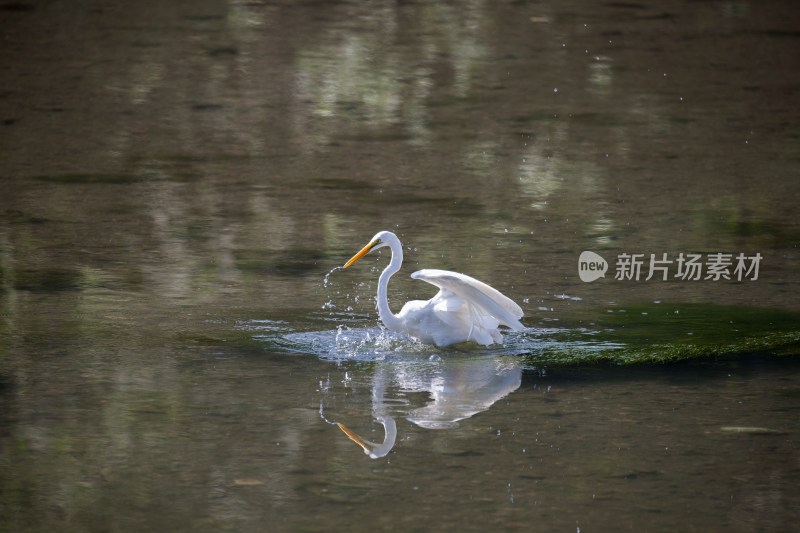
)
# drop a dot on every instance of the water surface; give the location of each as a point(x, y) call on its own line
point(178, 182)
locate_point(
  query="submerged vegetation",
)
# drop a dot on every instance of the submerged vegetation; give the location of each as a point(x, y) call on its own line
point(662, 334)
point(635, 335)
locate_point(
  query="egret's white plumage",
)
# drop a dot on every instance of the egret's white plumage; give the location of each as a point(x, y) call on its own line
point(464, 309)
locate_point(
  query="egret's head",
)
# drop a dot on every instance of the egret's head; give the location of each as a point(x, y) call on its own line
point(381, 239)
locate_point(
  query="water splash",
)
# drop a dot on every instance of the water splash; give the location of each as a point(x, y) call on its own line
point(341, 343)
point(326, 279)
point(330, 304)
point(350, 340)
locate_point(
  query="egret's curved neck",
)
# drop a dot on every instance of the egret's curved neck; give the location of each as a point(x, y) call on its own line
point(389, 319)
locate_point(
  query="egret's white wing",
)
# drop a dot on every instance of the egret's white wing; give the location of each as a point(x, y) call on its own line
point(477, 293)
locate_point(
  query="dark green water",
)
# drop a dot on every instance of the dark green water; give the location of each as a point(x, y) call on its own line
point(178, 182)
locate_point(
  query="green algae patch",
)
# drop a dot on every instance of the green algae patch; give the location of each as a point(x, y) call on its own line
point(663, 333)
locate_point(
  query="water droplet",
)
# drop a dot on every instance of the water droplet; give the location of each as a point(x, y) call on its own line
point(326, 279)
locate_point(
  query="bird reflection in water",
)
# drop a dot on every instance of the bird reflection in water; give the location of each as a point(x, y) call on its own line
point(458, 388)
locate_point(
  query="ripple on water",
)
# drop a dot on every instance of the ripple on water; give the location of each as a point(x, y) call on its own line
point(375, 343)
point(643, 335)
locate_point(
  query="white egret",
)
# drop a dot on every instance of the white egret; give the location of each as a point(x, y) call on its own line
point(464, 309)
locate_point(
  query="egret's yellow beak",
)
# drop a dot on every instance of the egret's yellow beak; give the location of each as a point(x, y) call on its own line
point(361, 253)
point(353, 437)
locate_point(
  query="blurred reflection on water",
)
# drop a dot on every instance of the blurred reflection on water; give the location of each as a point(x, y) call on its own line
point(458, 388)
point(178, 178)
